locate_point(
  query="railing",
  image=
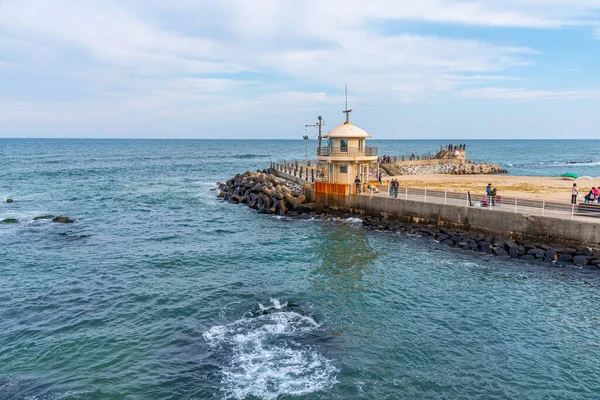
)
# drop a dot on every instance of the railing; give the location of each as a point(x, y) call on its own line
point(498, 203)
point(310, 173)
point(347, 151)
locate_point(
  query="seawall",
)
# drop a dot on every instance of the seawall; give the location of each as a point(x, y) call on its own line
point(519, 226)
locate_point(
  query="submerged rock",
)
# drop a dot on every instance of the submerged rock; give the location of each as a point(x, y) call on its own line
point(9, 200)
point(43, 217)
point(8, 221)
point(63, 220)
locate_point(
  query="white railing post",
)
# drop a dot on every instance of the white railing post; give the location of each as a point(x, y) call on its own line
point(468, 200)
point(425, 196)
point(445, 197)
point(572, 211)
point(406, 193)
point(515, 205)
point(543, 206)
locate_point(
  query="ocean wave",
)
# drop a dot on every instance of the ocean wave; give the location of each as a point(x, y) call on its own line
point(249, 156)
point(265, 356)
point(557, 164)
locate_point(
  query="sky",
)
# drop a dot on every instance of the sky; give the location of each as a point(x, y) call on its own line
point(426, 69)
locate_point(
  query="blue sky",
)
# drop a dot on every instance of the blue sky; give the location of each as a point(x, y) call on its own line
point(451, 69)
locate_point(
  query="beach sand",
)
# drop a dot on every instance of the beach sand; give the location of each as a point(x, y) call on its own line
point(527, 187)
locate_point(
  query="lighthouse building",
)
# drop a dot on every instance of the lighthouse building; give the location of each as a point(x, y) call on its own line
point(347, 156)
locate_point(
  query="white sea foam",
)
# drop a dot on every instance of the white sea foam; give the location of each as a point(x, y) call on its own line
point(266, 360)
point(353, 220)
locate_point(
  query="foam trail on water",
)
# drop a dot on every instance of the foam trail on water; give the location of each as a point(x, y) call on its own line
point(265, 358)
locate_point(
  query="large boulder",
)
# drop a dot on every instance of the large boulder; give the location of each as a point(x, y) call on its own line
point(581, 260)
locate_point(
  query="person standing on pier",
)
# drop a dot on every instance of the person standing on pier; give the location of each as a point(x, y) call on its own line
point(357, 184)
point(488, 191)
point(574, 192)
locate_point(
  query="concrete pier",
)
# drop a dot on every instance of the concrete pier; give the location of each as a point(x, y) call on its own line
point(497, 222)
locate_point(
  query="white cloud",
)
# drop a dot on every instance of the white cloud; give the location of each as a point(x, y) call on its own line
point(189, 59)
point(528, 95)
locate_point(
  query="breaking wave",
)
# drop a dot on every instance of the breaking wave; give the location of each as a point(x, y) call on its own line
point(557, 164)
point(265, 356)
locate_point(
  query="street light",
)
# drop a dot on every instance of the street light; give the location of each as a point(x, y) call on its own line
point(305, 137)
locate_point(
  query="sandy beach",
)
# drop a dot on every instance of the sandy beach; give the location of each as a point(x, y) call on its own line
point(532, 187)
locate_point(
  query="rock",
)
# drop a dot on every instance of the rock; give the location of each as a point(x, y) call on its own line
point(440, 238)
point(581, 260)
point(9, 200)
point(595, 262)
point(585, 251)
point(528, 247)
point(565, 258)
point(486, 247)
point(62, 220)
point(8, 221)
point(513, 252)
point(570, 251)
point(550, 255)
point(537, 253)
point(448, 242)
point(509, 244)
point(527, 257)
point(43, 217)
point(499, 251)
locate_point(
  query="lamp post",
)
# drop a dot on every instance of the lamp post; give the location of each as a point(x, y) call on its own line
point(305, 137)
point(319, 124)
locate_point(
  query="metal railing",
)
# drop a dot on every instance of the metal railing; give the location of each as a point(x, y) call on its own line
point(347, 151)
point(497, 203)
point(310, 173)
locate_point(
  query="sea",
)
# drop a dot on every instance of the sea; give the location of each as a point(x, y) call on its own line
point(159, 290)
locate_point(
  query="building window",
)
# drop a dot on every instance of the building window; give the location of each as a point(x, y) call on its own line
point(361, 145)
point(344, 145)
point(343, 169)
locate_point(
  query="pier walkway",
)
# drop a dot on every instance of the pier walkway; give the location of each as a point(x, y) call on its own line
point(583, 212)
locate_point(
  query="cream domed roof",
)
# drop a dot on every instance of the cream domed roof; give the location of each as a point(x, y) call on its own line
point(347, 130)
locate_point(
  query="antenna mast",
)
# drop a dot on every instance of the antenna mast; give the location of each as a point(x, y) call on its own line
point(347, 111)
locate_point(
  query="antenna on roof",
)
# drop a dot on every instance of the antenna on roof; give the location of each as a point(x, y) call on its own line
point(347, 111)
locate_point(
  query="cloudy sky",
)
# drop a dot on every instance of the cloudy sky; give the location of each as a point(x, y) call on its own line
point(454, 69)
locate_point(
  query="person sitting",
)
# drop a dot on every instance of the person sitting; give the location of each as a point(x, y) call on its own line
point(589, 198)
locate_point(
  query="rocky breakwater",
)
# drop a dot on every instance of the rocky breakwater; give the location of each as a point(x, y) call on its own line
point(466, 168)
point(263, 192)
point(502, 247)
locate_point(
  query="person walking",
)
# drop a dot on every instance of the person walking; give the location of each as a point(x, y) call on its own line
point(379, 177)
point(574, 193)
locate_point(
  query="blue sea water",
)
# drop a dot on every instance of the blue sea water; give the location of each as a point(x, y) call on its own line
point(161, 291)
